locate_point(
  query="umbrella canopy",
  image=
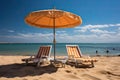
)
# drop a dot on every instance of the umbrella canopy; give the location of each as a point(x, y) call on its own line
point(53, 19)
point(45, 19)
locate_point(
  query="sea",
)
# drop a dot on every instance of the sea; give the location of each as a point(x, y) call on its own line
point(86, 48)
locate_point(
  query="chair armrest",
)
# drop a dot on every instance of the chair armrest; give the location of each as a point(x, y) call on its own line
point(85, 56)
point(44, 57)
point(32, 56)
point(71, 56)
point(50, 58)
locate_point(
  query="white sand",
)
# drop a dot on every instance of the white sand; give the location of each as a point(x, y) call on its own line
point(12, 68)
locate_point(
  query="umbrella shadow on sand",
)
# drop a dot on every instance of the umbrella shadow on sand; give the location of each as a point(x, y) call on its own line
point(20, 70)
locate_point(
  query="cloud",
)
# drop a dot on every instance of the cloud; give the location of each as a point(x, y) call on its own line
point(66, 38)
point(29, 37)
point(94, 34)
point(119, 28)
point(81, 30)
point(89, 27)
point(91, 38)
point(100, 31)
point(117, 25)
point(93, 26)
point(35, 35)
point(60, 31)
point(11, 31)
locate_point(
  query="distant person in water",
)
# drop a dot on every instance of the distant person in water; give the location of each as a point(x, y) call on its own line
point(107, 51)
point(113, 48)
point(97, 53)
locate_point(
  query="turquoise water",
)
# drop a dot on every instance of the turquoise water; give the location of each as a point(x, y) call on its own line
point(32, 48)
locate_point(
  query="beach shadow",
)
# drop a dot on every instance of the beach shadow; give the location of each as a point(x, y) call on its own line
point(84, 66)
point(21, 70)
point(80, 65)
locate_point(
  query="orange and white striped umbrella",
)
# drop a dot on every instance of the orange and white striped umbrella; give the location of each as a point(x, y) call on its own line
point(53, 19)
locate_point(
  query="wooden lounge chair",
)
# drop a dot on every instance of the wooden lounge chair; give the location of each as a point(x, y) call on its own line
point(74, 55)
point(43, 53)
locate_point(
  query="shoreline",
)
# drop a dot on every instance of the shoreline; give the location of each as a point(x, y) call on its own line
point(110, 55)
point(86, 48)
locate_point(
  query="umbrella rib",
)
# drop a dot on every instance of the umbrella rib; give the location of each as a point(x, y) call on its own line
point(49, 21)
point(36, 18)
point(70, 18)
point(60, 21)
point(67, 20)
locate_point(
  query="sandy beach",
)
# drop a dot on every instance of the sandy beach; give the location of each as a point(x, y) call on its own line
point(12, 68)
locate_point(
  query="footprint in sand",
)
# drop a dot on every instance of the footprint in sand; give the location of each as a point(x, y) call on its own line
point(109, 73)
point(72, 76)
point(50, 78)
point(24, 79)
point(89, 77)
point(68, 71)
point(35, 79)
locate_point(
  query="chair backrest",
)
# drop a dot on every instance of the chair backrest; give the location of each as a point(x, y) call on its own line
point(44, 51)
point(74, 50)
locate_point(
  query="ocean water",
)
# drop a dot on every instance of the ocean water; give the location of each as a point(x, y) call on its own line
point(32, 48)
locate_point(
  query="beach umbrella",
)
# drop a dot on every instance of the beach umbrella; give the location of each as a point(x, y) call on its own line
point(53, 19)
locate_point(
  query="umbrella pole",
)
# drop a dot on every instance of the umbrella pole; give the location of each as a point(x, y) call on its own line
point(54, 41)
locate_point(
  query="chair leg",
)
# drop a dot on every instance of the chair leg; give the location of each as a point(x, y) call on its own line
point(26, 62)
point(76, 64)
point(63, 65)
point(92, 63)
point(38, 64)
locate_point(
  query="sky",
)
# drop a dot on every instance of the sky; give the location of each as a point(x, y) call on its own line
point(100, 21)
